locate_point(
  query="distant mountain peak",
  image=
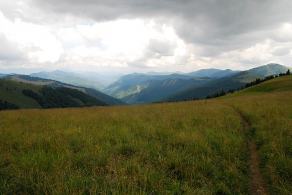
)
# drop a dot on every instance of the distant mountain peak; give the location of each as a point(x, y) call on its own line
point(273, 64)
point(270, 65)
point(268, 69)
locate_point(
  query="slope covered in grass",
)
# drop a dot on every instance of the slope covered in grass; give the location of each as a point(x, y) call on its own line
point(11, 91)
point(26, 95)
point(280, 84)
point(101, 97)
point(196, 147)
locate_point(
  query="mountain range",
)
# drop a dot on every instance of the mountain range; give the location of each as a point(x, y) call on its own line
point(137, 88)
point(70, 78)
point(232, 82)
point(146, 88)
point(213, 73)
point(2, 75)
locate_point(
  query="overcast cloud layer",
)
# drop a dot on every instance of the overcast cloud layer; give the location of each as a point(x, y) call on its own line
point(144, 35)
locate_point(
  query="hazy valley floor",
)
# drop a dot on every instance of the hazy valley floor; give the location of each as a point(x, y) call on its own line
point(199, 147)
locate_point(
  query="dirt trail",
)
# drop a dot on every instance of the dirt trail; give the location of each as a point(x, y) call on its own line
point(257, 184)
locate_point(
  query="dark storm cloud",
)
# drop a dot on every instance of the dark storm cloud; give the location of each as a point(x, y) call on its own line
point(207, 22)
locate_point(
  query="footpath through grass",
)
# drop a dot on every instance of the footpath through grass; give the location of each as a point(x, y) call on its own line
point(271, 120)
point(268, 108)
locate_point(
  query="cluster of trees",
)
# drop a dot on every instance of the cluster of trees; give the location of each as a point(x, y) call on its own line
point(33, 95)
point(61, 98)
point(54, 98)
point(4, 105)
point(87, 100)
point(219, 93)
point(256, 82)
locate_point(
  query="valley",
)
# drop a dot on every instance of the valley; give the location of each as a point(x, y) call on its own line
point(136, 88)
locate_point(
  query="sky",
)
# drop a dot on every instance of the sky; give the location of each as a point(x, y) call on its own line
point(143, 35)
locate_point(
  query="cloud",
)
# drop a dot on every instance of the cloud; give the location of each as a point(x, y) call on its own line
point(27, 42)
point(175, 35)
point(208, 21)
point(9, 50)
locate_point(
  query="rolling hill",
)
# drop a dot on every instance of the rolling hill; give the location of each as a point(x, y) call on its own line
point(236, 144)
point(25, 95)
point(276, 85)
point(44, 86)
point(52, 83)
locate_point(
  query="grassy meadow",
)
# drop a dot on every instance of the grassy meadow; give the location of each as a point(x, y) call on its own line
point(196, 147)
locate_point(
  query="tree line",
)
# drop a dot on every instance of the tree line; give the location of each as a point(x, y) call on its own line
point(61, 97)
point(4, 105)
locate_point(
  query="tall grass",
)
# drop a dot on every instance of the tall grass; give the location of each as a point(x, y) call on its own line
point(164, 148)
point(192, 147)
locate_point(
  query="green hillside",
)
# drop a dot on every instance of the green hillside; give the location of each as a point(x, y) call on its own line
point(56, 84)
point(237, 144)
point(25, 95)
point(11, 91)
point(280, 84)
